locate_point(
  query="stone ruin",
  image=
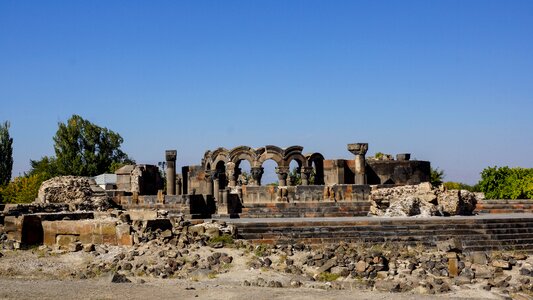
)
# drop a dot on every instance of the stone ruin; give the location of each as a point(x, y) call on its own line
point(74, 214)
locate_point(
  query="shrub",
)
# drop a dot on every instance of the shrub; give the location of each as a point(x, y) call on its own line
point(507, 183)
point(450, 185)
point(22, 189)
point(226, 239)
point(327, 276)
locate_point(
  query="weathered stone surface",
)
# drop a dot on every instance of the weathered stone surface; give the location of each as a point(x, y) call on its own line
point(411, 206)
point(421, 200)
point(455, 202)
point(119, 278)
point(452, 244)
point(80, 192)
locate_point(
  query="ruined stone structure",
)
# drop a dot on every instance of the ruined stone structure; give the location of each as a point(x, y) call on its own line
point(219, 183)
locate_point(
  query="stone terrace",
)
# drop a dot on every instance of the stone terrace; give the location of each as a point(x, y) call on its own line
point(475, 233)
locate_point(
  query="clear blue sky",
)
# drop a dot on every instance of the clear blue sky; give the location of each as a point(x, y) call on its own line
point(448, 81)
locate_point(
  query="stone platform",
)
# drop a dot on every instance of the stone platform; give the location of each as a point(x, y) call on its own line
point(475, 233)
point(504, 206)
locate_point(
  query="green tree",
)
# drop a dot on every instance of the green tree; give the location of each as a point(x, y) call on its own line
point(46, 167)
point(437, 177)
point(507, 183)
point(23, 189)
point(6, 154)
point(85, 149)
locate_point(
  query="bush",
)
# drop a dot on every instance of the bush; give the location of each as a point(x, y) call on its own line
point(436, 177)
point(225, 239)
point(507, 183)
point(22, 189)
point(328, 277)
point(450, 185)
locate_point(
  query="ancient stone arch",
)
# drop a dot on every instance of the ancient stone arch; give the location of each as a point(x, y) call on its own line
point(318, 159)
point(243, 153)
point(270, 152)
point(220, 154)
point(213, 160)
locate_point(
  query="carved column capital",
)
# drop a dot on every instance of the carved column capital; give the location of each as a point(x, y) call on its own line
point(171, 155)
point(257, 173)
point(358, 148)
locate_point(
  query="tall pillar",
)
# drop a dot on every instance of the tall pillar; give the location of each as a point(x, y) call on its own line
point(179, 186)
point(216, 186)
point(282, 172)
point(359, 150)
point(171, 171)
point(231, 174)
point(257, 173)
point(209, 183)
point(306, 175)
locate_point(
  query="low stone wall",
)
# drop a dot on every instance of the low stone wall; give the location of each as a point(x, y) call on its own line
point(64, 233)
point(504, 206)
point(303, 193)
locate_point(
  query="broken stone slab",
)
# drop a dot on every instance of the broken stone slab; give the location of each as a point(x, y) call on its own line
point(327, 266)
point(501, 264)
point(119, 278)
point(452, 244)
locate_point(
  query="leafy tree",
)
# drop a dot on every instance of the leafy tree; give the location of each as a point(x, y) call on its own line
point(436, 177)
point(22, 189)
point(46, 166)
point(85, 149)
point(6, 154)
point(507, 183)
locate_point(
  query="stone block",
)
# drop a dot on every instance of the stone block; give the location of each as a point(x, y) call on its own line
point(142, 214)
point(501, 264)
point(123, 235)
point(63, 240)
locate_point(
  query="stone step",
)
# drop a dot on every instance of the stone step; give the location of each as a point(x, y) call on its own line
point(512, 232)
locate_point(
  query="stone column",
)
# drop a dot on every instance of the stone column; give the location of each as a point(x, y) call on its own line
point(282, 172)
point(179, 186)
point(209, 182)
point(306, 175)
point(359, 150)
point(231, 174)
point(257, 173)
point(171, 171)
point(216, 186)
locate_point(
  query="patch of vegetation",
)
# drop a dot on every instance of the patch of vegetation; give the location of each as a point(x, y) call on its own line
point(212, 275)
point(327, 277)
point(450, 185)
point(261, 250)
point(507, 183)
point(436, 177)
point(225, 239)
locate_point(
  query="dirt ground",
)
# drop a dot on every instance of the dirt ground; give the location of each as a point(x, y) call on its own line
point(30, 275)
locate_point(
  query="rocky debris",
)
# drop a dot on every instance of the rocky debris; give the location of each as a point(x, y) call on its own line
point(421, 200)
point(80, 193)
point(119, 278)
point(411, 206)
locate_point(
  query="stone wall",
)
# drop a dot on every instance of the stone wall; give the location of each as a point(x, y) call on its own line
point(86, 232)
point(304, 193)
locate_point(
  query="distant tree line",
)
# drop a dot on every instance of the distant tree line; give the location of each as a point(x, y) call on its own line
point(81, 147)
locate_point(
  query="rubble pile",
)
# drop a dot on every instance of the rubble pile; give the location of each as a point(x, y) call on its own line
point(421, 200)
point(80, 193)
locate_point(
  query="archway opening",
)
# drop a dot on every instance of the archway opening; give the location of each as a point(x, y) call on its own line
point(269, 173)
point(317, 175)
point(221, 175)
point(295, 177)
point(243, 172)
